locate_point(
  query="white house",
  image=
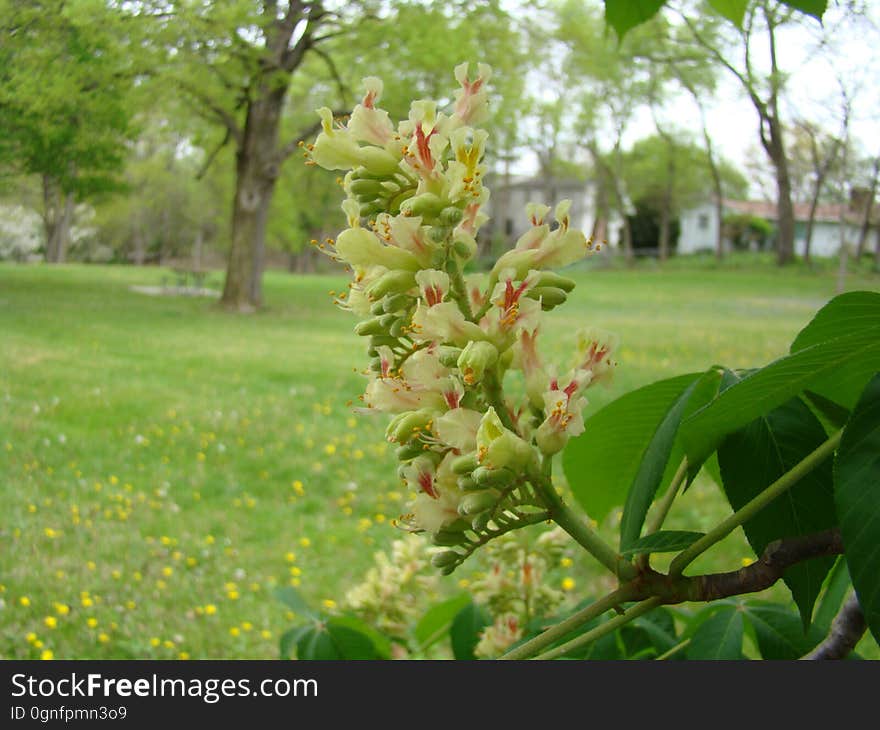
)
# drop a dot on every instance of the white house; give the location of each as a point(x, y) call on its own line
point(700, 223)
point(509, 195)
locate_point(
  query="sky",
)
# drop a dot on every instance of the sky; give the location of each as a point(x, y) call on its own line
point(812, 90)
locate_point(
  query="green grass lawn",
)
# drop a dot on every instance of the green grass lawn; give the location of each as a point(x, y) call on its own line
point(165, 465)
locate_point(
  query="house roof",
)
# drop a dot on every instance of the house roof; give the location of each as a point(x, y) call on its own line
point(826, 213)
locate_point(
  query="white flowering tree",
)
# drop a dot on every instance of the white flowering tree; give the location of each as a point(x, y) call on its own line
point(479, 417)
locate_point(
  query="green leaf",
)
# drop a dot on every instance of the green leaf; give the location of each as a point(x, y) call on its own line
point(292, 598)
point(827, 410)
point(837, 585)
point(763, 390)
point(339, 637)
point(651, 469)
point(779, 632)
point(289, 640)
point(852, 313)
point(816, 8)
point(857, 497)
point(659, 627)
point(718, 637)
point(602, 462)
point(733, 10)
point(467, 626)
point(316, 644)
point(623, 15)
point(438, 619)
point(755, 457)
point(355, 639)
point(665, 541)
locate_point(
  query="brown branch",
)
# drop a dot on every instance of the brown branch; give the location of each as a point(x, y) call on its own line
point(293, 145)
point(848, 627)
point(209, 160)
point(778, 557)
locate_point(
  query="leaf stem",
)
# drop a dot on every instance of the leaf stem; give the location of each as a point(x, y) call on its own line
point(557, 631)
point(750, 509)
point(633, 613)
point(664, 505)
point(577, 527)
point(674, 650)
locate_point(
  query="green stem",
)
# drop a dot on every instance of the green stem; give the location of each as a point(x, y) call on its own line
point(492, 387)
point(578, 528)
point(633, 613)
point(533, 646)
point(750, 509)
point(460, 290)
point(663, 507)
point(674, 650)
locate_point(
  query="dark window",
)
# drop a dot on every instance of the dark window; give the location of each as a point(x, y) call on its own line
point(703, 222)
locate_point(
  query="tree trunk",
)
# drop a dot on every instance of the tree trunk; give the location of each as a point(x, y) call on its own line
point(57, 219)
point(866, 213)
point(256, 172)
point(666, 212)
point(784, 207)
point(808, 236)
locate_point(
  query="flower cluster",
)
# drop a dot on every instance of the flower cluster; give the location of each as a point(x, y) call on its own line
point(441, 343)
point(515, 589)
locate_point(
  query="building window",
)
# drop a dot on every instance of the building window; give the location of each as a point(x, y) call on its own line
point(703, 222)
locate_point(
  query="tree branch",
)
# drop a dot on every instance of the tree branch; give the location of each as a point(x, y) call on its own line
point(209, 160)
point(292, 146)
point(227, 119)
point(778, 557)
point(848, 627)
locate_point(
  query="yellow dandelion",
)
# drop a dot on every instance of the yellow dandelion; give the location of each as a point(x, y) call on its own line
point(329, 604)
point(290, 557)
point(234, 631)
point(130, 605)
point(168, 644)
point(47, 655)
point(167, 571)
point(246, 626)
point(568, 584)
point(357, 454)
point(86, 602)
point(62, 609)
point(50, 621)
point(91, 622)
point(24, 601)
point(30, 637)
point(91, 565)
point(103, 638)
point(304, 542)
point(209, 539)
point(266, 634)
point(155, 641)
point(183, 656)
point(566, 562)
point(210, 609)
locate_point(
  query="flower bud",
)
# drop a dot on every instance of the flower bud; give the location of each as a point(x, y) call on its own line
point(448, 356)
point(481, 520)
point(426, 205)
point(551, 278)
point(375, 326)
point(392, 282)
point(475, 359)
point(464, 464)
point(499, 447)
point(549, 296)
point(475, 502)
point(448, 538)
point(396, 302)
point(408, 425)
point(466, 483)
point(464, 245)
point(445, 559)
point(486, 477)
point(450, 216)
point(410, 451)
